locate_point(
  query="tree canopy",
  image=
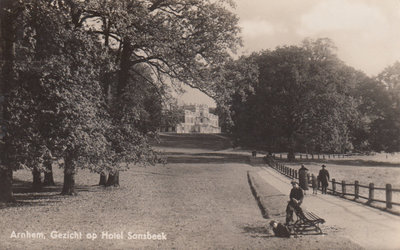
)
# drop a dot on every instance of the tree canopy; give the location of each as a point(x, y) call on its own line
point(306, 99)
point(86, 80)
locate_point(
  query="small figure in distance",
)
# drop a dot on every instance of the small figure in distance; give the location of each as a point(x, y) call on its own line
point(296, 198)
point(279, 229)
point(324, 178)
point(303, 179)
point(314, 183)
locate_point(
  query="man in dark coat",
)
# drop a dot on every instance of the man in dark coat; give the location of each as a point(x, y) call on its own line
point(296, 198)
point(324, 178)
point(303, 180)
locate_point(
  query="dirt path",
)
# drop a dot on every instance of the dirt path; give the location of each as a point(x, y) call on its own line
point(199, 200)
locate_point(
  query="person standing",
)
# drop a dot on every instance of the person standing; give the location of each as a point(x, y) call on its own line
point(296, 198)
point(324, 178)
point(314, 183)
point(303, 178)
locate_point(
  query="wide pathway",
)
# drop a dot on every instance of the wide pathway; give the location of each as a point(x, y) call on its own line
point(369, 227)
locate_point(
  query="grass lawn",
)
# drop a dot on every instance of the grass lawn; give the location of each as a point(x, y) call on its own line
point(201, 199)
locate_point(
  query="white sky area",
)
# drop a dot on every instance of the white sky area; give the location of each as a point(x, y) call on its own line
point(365, 32)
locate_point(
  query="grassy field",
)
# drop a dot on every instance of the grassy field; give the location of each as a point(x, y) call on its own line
point(380, 169)
point(200, 200)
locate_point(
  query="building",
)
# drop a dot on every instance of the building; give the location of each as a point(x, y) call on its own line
point(196, 118)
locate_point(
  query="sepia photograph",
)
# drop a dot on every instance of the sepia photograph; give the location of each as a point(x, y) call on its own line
point(199, 124)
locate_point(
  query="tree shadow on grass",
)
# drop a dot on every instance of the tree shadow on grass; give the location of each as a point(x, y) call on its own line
point(206, 158)
point(351, 162)
point(24, 195)
point(364, 163)
point(194, 141)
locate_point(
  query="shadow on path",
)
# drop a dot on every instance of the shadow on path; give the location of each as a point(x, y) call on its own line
point(24, 195)
point(351, 162)
point(207, 158)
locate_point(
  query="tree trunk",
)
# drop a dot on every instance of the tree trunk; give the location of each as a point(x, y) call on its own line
point(113, 179)
point(7, 55)
point(6, 194)
point(103, 179)
point(291, 146)
point(37, 180)
point(69, 177)
point(48, 175)
point(291, 156)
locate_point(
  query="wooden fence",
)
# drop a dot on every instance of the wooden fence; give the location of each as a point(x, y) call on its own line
point(311, 156)
point(342, 188)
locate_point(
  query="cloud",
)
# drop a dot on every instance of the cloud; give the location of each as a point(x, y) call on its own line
point(343, 16)
point(256, 28)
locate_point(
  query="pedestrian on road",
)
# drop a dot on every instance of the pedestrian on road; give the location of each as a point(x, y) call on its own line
point(296, 198)
point(324, 178)
point(314, 183)
point(303, 179)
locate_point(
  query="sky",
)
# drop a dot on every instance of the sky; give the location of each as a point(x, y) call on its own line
point(365, 32)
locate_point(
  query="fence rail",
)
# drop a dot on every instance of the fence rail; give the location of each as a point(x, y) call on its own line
point(340, 188)
point(311, 156)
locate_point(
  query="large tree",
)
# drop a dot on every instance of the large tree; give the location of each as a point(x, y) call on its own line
point(179, 40)
point(83, 57)
point(385, 129)
point(9, 11)
point(301, 100)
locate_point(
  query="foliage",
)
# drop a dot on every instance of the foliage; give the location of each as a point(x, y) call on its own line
point(385, 130)
point(90, 77)
point(235, 79)
point(301, 100)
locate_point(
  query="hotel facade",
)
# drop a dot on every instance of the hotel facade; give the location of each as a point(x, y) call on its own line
point(195, 118)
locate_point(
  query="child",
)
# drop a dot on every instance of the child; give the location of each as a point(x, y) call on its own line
point(279, 229)
point(314, 183)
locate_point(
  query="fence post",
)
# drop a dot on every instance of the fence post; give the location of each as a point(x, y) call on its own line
point(343, 188)
point(329, 156)
point(356, 190)
point(371, 193)
point(307, 156)
point(280, 156)
point(301, 157)
point(388, 195)
point(333, 186)
point(323, 157)
point(318, 156)
point(296, 175)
